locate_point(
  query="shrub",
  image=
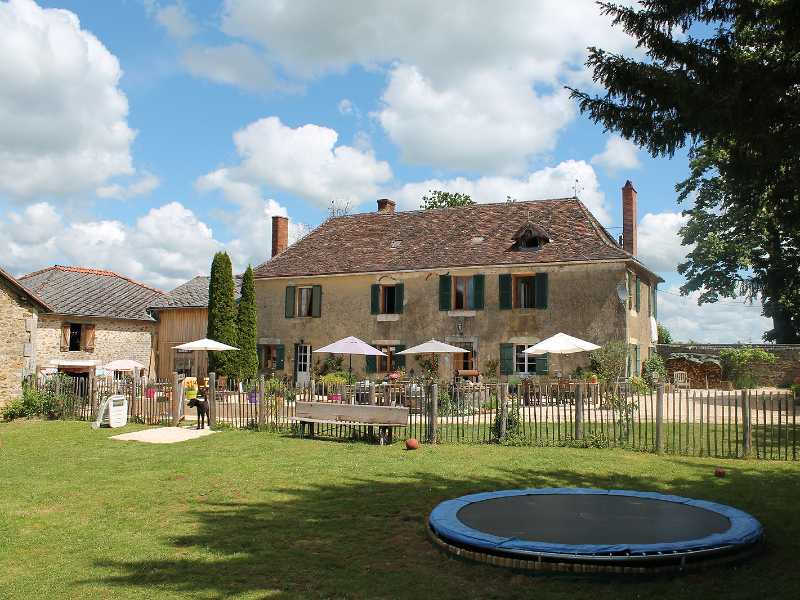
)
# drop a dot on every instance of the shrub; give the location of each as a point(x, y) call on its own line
point(740, 363)
point(654, 364)
point(514, 433)
point(610, 360)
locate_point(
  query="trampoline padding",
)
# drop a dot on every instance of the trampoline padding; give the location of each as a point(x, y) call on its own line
point(590, 522)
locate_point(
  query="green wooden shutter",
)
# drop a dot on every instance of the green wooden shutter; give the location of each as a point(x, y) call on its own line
point(399, 359)
point(398, 299)
point(316, 301)
point(506, 358)
point(506, 295)
point(655, 302)
point(289, 308)
point(477, 291)
point(375, 299)
point(638, 294)
point(280, 353)
point(638, 360)
point(542, 364)
point(630, 290)
point(260, 350)
point(371, 364)
point(445, 292)
point(540, 300)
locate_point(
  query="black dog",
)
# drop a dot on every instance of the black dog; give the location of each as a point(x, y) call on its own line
point(202, 411)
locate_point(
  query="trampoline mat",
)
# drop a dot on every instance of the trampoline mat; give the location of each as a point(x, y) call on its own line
point(578, 519)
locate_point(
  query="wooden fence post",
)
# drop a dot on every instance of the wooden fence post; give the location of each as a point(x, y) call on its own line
point(433, 410)
point(503, 411)
point(262, 404)
point(660, 419)
point(177, 398)
point(578, 411)
point(212, 399)
point(747, 431)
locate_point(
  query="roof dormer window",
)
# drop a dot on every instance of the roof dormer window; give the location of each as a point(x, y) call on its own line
point(531, 238)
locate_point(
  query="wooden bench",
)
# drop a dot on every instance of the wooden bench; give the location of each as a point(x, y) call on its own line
point(385, 418)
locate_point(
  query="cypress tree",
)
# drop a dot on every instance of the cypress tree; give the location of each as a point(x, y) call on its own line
point(222, 315)
point(246, 330)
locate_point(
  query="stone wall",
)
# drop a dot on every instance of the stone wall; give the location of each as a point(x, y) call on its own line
point(780, 374)
point(17, 338)
point(114, 339)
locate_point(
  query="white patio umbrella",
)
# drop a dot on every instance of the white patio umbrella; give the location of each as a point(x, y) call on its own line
point(204, 344)
point(561, 343)
point(434, 347)
point(123, 364)
point(351, 345)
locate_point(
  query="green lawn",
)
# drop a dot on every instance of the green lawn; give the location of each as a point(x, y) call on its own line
point(242, 514)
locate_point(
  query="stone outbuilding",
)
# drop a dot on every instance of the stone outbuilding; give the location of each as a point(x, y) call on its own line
point(20, 311)
point(98, 316)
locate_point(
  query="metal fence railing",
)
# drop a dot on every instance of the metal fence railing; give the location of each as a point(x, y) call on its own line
point(714, 423)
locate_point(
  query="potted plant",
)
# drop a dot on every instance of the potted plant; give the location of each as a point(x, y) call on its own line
point(190, 386)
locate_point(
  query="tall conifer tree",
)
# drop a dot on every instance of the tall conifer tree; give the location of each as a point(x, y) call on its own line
point(222, 315)
point(246, 331)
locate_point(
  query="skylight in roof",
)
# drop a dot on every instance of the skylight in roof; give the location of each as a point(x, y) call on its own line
point(396, 244)
point(477, 240)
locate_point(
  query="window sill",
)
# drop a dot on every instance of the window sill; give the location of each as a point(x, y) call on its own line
point(387, 317)
point(462, 313)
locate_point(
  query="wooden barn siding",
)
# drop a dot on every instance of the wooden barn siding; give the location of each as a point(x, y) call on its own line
point(178, 327)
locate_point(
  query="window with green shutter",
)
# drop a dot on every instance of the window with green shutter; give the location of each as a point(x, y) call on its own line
point(371, 364)
point(289, 306)
point(542, 364)
point(445, 292)
point(399, 359)
point(638, 294)
point(280, 352)
point(316, 301)
point(506, 291)
point(386, 299)
point(506, 358)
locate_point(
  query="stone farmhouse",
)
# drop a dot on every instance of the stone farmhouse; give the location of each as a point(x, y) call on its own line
point(20, 311)
point(491, 278)
point(97, 317)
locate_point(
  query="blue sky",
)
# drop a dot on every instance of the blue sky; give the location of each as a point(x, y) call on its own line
point(143, 136)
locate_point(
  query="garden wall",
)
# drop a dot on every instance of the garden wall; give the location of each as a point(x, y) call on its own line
point(780, 374)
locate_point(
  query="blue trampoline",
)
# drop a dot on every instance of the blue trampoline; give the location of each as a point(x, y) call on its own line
point(587, 531)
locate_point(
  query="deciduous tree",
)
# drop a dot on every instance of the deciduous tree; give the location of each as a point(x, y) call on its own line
point(440, 199)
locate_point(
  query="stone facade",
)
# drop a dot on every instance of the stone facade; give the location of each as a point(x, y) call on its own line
point(114, 339)
point(18, 321)
point(582, 301)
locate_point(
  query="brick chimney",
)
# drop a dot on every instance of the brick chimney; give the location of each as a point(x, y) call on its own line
point(385, 205)
point(280, 234)
point(629, 218)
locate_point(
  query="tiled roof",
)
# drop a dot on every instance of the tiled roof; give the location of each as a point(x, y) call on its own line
point(192, 294)
point(23, 291)
point(82, 292)
point(477, 235)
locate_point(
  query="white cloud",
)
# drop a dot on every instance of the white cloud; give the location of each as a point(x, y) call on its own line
point(63, 128)
point(727, 321)
point(659, 243)
point(549, 183)
point(143, 186)
point(176, 21)
point(489, 121)
point(473, 85)
point(619, 154)
point(235, 64)
point(305, 162)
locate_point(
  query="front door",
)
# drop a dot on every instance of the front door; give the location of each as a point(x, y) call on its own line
point(302, 371)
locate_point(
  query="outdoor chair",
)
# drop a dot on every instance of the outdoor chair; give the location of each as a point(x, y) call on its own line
point(680, 380)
